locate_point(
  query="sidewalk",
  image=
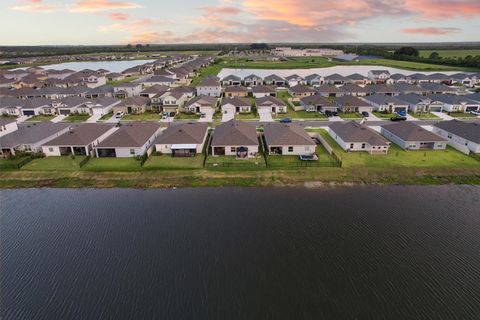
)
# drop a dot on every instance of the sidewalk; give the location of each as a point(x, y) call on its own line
point(442, 115)
point(372, 117)
point(58, 118)
point(94, 118)
point(22, 118)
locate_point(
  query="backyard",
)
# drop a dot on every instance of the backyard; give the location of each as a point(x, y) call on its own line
point(166, 161)
point(62, 163)
point(397, 157)
point(324, 160)
point(113, 164)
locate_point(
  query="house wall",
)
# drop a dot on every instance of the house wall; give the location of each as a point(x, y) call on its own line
point(411, 145)
point(167, 148)
point(210, 91)
point(459, 143)
point(252, 150)
point(357, 146)
point(8, 128)
point(297, 150)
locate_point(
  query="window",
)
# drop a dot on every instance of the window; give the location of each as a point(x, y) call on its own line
point(449, 136)
point(50, 149)
point(132, 151)
point(363, 145)
point(290, 149)
point(351, 145)
point(232, 149)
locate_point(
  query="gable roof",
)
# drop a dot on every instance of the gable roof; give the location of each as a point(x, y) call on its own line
point(383, 99)
point(351, 131)
point(136, 100)
point(132, 134)
point(31, 133)
point(184, 133)
point(236, 101)
point(273, 77)
point(408, 131)
point(350, 101)
point(263, 89)
point(466, 130)
point(80, 134)
point(209, 82)
point(291, 134)
point(203, 101)
point(316, 100)
point(269, 100)
point(236, 89)
point(235, 133)
point(300, 88)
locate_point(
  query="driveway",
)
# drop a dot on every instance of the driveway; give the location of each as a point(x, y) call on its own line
point(335, 118)
point(208, 116)
point(94, 118)
point(410, 118)
point(442, 115)
point(265, 115)
point(22, 118)
point(227, 116)
point(113, 119)
point(372, 117)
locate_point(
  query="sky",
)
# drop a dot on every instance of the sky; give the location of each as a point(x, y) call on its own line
point(105, 22)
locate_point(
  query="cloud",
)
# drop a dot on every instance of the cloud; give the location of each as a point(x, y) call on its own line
point(118, 16)
point(102, 5)
point(33, 6)
point(431, 31)
point(438, 9)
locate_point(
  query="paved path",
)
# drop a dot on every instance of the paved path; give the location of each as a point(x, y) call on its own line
point(208, 117)
point(335, 118)
point(22, 118)
point(265, 115)
point(113, 119)
point(94, 118)
point(410, 118)
point(372, 117)
point(442, 115)
point(227, 116)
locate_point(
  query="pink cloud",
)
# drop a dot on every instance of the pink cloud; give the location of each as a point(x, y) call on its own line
point(431, 30)
point(118, 16)
point(33, 6)
point(437, 9)
point(102, 5)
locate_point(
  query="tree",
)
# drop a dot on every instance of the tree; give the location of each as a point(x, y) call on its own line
point(407, 51)
point(129, 45)
point(138, 46)
point(434, 55)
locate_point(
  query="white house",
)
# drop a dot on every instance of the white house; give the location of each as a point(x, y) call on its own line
point(271, 104)
point(456, 103)
point(463, 136)
point(410, 136)
point(182, 140)
point(252, 80)
point(287, 139)
point(201, 104)
point(130, 140)
point(209, 87)
point(353, 136)
point(378, 76)
point(130, 88)
point(99, 106)
point(263, 91)
point(236, 105)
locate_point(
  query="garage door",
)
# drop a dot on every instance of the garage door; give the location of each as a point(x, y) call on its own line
point(28, 112)
point(468, 109)
point(65, 112)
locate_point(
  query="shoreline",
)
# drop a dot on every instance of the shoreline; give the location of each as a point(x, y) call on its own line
point(321, 178)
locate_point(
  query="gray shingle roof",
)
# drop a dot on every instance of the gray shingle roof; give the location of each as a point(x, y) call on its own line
point(236, 101)
point(466, 130)
point(185, 133)
point(235, 133)
point(80, 135)
point(351, 131)
point(132, 134)
point(408, 131)
point(290, 134)
point(31, 133)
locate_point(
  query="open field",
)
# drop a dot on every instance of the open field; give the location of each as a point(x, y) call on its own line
point(451, 53)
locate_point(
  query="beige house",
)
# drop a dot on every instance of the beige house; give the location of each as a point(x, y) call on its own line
point(132, 105)
point(288, 139)
point(234, 138)
point(182, 140)
point(236, 91)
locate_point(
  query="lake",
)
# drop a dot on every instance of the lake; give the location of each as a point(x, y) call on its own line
point(372, 252)
point(343, 70)
point(112, 66)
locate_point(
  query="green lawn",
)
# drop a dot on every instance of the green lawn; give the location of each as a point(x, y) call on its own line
point(124, 80)
point(231, 161)
point(77, 117)
point(146, 116)
point(294, 161)
point(186, 116)
point(168, 162)
point(451, 53)
point(112, 164)
point(246, 116)
point(424, 116)
point(407, 65)
point(63, 163)
point(6, 163)
point(40, 117)
point(350, 115)
point(384, 115)
point(106, 116)
point(460, 115)
point(397, 157)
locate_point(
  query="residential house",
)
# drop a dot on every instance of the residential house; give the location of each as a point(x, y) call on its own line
point(188, 92)
point(317, 103)
point(464, 79)
point(385, 103)
point(353, 89)
point(236, 91)
point(30, 137)
point(209, 87)
point(231, 80)
point(287, 139)
point(132, 139)
point(300, 91)
point(435, 88)
point(353, 136)
point(99, 106)
point(270, 104)
point(127, 89)
point(59, 74)
point(293, 80)
point(115, 76)
point(79, 139)
point(456, 103)
point(410, 136)
point(274, 80)
point(350, 104)
point(69, 105)
point(398, 78)
point(252, 80)
point(182, 140)
point(202, 104)
point(336, 79)
point(235, 138)
point(6, 83)
point(264, 91)
point(158, 80)
point(154, 90)
point(314, 80)
point(419, 103)
point(357, 78)
point(461, 135)
point(102, 91)
point(132, 105)
point(7, 126)
point(171, 101)
point(378, 76)
point(328, 90)
point(383, 89)
point(236, 105)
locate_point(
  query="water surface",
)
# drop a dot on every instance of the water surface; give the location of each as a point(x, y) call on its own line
point(112, 66)
point(232, 253)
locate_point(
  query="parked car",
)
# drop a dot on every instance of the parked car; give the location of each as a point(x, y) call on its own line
point(328, 113)
point(164, 115)
point(477, 113)
point(398, 118)
point(119, 115)
point(365, 114)
point(203, 115)
point(286, 120)
point(172, 114)
point(402, 113)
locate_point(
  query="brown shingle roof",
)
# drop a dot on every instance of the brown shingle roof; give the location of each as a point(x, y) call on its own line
point(235, 133)
point(185, 133)
point(286, 134)
point(132, 134)
point(80, 135)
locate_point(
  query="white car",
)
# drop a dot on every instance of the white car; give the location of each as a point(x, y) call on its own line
point(119, 115)
point(477, 113)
